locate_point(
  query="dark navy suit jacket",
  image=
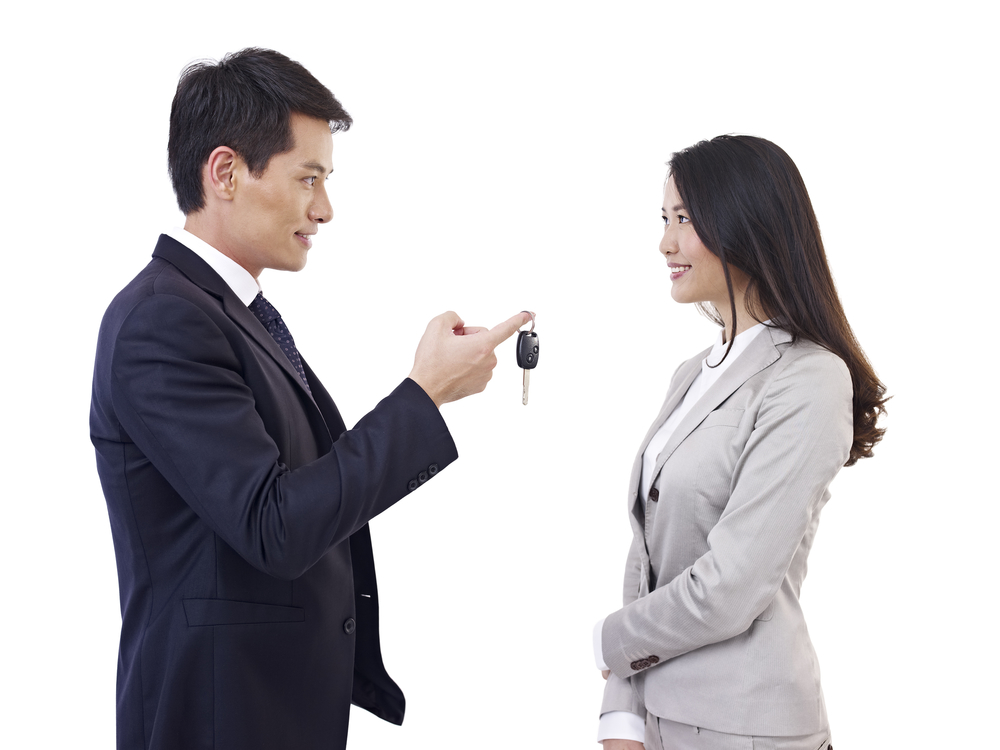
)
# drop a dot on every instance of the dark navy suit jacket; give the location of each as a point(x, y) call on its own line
point(239, 507)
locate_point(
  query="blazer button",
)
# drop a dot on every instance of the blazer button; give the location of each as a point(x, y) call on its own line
point(422, 476)
point(654, 494)
point(432, 469)
point(349, 625)
point(413, 484)
point(653, 660)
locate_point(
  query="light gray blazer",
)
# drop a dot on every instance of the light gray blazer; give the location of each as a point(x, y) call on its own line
point(711, 633)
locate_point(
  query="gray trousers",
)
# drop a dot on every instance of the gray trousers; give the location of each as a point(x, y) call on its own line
point(663, 734)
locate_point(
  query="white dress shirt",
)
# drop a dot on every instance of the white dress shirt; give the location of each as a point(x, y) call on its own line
point(624, 725)
point(236, 276)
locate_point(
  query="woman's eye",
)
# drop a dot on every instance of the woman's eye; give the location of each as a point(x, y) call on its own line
point(683, 219)
point(666, 221)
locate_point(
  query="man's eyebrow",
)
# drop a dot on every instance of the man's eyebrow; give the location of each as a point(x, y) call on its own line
point(316, 167)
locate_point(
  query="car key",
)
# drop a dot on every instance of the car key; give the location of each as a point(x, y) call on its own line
point(527, 355)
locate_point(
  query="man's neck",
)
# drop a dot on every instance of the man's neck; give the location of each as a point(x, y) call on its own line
point(210, 230)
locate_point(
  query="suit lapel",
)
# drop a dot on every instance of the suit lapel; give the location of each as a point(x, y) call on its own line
point(681, 381)
point(205, 277)
point(762, 352)
point(329, 410)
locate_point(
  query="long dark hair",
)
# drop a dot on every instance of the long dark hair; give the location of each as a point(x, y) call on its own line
point(750, 207)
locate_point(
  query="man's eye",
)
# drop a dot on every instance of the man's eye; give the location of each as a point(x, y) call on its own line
point(311, 180)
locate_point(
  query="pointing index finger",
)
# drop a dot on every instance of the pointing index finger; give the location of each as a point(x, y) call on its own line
point(505, 330)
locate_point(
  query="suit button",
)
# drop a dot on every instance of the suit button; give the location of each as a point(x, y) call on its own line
point(414, 484)
point(422, 476)
point(654, 494)
point(432, 469)
point(349, 625)
point(653, 660)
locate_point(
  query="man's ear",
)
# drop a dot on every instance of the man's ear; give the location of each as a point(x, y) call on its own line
point(219, 172)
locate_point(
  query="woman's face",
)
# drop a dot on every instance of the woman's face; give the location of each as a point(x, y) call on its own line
point(696, 273)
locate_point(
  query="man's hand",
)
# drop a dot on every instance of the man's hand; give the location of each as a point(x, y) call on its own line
point(454, 360)
point(622, 745)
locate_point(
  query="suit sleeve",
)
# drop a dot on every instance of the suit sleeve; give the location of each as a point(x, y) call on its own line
point(801, 439)
point(178, 392)
point(619, 694)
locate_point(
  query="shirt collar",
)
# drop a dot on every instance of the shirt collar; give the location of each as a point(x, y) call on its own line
point(741, 342)
point(244, 286)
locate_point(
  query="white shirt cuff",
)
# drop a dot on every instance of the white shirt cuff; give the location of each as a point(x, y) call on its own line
point(598, 646)
point(621, 725)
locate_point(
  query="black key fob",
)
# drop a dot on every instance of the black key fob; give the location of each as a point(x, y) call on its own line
point(527, 350)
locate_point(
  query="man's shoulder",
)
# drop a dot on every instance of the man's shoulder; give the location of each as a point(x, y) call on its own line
point(160, 283)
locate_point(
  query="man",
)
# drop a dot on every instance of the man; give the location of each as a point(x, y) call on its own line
point(238, 501)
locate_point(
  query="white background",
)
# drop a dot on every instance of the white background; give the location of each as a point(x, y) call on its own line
point(509, 156)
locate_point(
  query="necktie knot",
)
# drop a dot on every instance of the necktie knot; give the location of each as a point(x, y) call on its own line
point(264, 310)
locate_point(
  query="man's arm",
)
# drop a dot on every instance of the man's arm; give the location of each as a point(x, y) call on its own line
point(179, 393)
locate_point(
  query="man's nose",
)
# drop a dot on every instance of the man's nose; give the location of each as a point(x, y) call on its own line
point(321, 211)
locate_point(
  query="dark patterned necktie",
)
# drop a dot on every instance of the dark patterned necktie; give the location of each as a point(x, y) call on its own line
point(271, 320)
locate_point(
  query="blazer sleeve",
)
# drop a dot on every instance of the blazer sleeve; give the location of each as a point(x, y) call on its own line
point(633, 573)
point(178, 392)
point(619, 695)
point(801, 438)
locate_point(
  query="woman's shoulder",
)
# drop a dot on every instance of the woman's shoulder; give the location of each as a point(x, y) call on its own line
point(802, 358)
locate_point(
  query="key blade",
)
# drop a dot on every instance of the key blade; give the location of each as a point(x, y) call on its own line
point(527, 380)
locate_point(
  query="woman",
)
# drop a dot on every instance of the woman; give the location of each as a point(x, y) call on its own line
point(710, 649)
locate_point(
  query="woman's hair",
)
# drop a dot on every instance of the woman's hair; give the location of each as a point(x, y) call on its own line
point(750, 208)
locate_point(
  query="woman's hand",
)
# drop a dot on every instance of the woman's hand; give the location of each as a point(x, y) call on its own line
point(622, 745)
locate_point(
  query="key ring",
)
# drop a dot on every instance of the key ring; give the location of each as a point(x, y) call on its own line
point(532, 320)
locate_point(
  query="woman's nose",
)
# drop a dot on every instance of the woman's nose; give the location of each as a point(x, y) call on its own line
point(667, 244)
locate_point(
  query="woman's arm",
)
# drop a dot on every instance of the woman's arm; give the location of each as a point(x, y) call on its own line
point(801, 438)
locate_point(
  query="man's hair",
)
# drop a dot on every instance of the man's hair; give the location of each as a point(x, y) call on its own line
point(245, 102)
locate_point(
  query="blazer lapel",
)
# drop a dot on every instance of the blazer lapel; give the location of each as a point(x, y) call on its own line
point(202, 274)
point(680, 383)
point(762, 352)
point(331, 414)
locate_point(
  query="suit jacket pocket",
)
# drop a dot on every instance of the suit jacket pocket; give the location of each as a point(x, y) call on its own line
point(722, 418)
point(768, 612)
point(201, 612)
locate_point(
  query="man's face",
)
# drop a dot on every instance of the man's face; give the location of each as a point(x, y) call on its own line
point(274, 217)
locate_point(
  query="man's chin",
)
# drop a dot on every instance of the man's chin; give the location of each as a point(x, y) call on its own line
point(292, 264)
